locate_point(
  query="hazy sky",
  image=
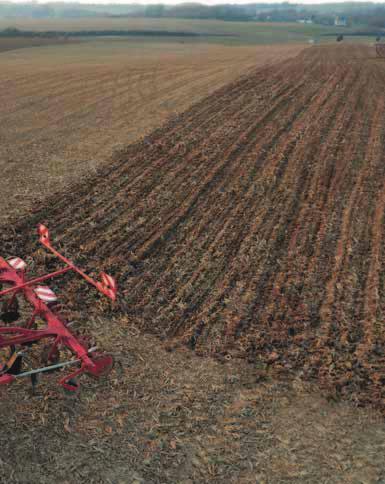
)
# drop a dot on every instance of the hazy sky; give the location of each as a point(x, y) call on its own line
point(175, 2)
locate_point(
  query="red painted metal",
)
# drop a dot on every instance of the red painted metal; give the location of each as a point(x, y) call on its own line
point(56, 330)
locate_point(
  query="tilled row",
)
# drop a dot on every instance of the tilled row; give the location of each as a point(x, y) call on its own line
point(252, 225)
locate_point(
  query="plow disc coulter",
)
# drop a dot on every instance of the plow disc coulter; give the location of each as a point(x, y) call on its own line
point(44, 326)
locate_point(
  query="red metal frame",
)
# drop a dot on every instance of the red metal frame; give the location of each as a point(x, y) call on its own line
point(56, 328)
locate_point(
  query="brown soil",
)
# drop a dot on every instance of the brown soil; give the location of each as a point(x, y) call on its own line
point(249, 229)
point(12, 43)
point(176, 418)
point(65, 109)
point(252, 224)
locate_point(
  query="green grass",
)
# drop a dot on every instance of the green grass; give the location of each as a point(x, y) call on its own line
point(243, 32)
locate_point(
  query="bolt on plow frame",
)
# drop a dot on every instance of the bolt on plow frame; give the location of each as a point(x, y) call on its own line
point(44, 324)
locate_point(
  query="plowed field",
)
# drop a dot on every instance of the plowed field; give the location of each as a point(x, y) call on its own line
point(65, 109)
point(252, 225)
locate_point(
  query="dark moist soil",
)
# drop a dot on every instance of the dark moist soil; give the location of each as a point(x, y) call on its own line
point(172, 417)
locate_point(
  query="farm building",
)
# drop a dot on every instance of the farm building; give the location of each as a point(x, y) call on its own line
point(340, 22)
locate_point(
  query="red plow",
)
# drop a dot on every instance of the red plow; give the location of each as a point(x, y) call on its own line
point(44, 324)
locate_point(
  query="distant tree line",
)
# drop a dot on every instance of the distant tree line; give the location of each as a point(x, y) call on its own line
point(360, 13)
point(13, 32)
